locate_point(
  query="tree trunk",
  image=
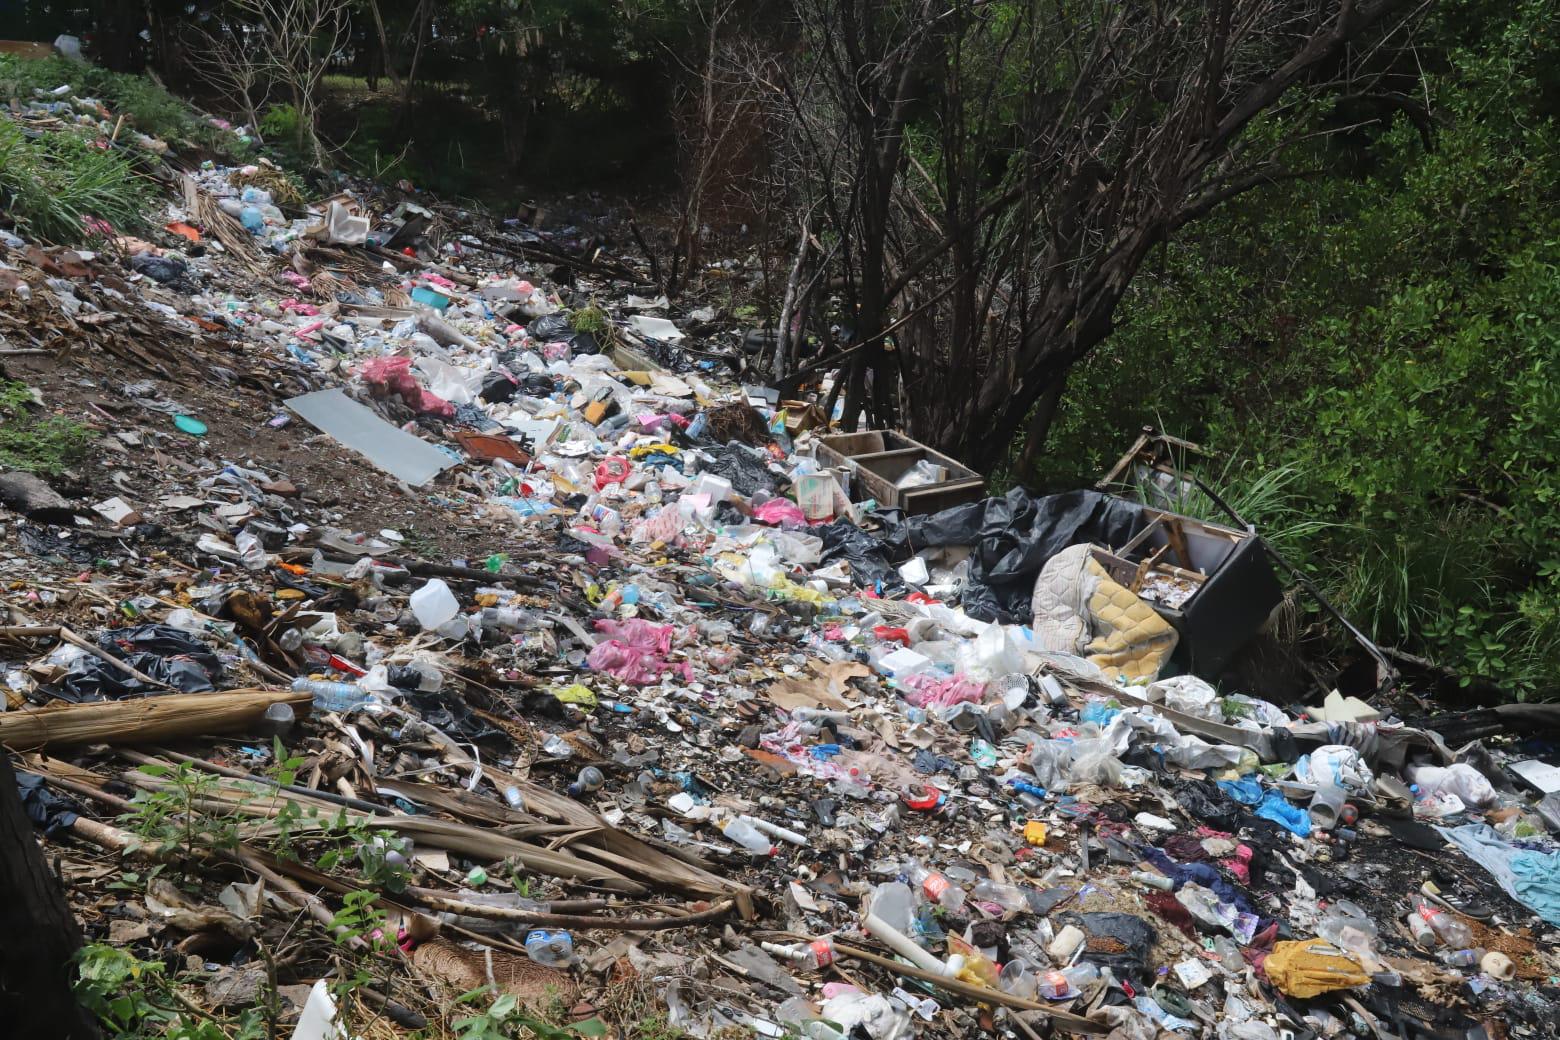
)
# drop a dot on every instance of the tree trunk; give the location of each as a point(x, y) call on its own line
point(41, 936)
point(1040, 423)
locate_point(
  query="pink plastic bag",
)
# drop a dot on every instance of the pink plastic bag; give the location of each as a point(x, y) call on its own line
point(929, 692)
point(778, 512)
point(393, 375)
point(638, 633)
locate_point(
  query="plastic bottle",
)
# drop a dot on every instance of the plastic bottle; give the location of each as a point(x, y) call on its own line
point(1423, 934)
point(1462, 958)
point(332, 696)
point(1158, 881)
point(1009, 897)
point(515, 799)
point(1450, 930)
point(740, 832)
point(506, 619)
point(813, 955)
point(588, 780)
point(549, 947)
point(936, 887)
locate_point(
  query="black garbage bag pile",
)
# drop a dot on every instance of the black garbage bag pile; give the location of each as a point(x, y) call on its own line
point(1011, 538)
point(164, 653)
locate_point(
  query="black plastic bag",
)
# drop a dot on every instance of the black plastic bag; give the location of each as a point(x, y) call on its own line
point(162, 652)
point(867, 555)
point(497, 387)
point(748, 470)
point(550, 327)
point(1207, 803)
point(50, 812)
point(1121, 942)
point(1012, 537)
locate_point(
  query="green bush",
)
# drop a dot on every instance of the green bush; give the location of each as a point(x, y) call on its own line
point(145, 106)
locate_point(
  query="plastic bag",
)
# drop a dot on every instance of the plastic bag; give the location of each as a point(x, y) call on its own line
point(1336, 764)
point(1188, 694)
point(393, 375)
point(1461, 779)
point(1012, 537)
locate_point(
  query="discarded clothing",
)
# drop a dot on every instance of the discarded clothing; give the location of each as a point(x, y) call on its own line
point(1531, 878)
point(1311, 968)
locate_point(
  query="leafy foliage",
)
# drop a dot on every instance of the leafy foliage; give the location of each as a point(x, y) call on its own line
point(1388, 341)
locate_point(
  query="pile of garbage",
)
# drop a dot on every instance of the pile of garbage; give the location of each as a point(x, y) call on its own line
point(425, 639)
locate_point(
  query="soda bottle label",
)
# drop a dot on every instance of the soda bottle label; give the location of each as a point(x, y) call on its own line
point(822, 951)
point(935, 885)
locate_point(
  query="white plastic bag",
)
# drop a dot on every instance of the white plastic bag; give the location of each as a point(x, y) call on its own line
point(1462, 780)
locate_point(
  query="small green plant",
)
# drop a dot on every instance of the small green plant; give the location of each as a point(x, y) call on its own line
point(38, 444)
point(381, 855)
point(173, 817)
point(358, 918)
point(505, 1019)
point(135, 999)
point(593, 321)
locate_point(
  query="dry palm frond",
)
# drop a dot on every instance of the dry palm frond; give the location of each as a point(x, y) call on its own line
point(239, 243)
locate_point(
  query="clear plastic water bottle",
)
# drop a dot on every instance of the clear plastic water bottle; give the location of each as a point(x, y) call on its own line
point(742, 833)
point(936, 887)
point(1009, 897)
point(552, 948)
point(332, 696)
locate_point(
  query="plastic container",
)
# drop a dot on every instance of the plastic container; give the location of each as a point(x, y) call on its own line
point(277, 721)
point(1326, 806)
point(936, 887)
point(332, 696)
point(1063, 985)
point(740, 832)
point(1463, 958)
point(1424, 935)
point(551, 948)
point(434, 604)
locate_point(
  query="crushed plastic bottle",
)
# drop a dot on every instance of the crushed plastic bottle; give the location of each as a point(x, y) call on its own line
point(551, 948)
point(1009, 897)
point(740, 832)
point(1450, 930)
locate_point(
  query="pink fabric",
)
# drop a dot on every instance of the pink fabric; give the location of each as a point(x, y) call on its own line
point(394, 375)
point(928, 692)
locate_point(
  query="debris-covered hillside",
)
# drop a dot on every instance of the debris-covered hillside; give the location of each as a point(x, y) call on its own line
point(414, 630)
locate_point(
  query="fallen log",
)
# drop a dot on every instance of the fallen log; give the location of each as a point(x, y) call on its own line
point(145, 720)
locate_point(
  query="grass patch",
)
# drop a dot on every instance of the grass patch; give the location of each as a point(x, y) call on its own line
point(592, 320)
point(50, 185)
point(46, 445)
point(145, 106)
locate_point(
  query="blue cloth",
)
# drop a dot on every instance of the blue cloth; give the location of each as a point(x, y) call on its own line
point(1197, 873)
point(1276, 807)
point(1531, 878)
point(1246, 790)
